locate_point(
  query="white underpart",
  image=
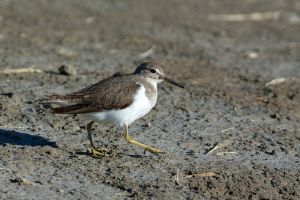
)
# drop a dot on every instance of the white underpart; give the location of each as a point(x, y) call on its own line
point(140, 107)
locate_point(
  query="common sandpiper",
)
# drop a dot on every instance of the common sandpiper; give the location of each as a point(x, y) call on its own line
point(119, 99)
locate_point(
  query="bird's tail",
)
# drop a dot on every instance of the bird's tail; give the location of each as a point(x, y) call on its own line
point(53, 99)
point(56, 100)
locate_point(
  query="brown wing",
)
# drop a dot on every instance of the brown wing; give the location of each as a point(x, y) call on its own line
point(116, 92)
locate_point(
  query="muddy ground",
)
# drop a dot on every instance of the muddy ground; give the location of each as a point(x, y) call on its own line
point(228, 135)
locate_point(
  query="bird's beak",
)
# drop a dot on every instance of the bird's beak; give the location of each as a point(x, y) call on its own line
point(173, 82)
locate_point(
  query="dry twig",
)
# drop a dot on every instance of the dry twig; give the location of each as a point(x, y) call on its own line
point(225, 130)
point(275, 15)
point(217, 145)
point(147, 53)
point(21, 70)
point(177, 177)
point(276, 81)
point(212, 149)
point(207, 174)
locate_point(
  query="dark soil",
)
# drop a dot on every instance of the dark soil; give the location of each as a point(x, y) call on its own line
point(228, 135)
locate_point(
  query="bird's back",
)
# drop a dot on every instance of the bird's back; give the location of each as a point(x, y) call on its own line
point(115, 92)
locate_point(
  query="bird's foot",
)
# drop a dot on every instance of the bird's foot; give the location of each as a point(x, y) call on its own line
point(130, 140)
point(99, 152)
point(152, 150)
point(145, 147)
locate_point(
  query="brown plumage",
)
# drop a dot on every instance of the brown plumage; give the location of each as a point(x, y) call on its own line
point(115, 92)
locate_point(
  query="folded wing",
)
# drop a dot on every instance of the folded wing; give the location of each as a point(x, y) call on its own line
point(116, 92)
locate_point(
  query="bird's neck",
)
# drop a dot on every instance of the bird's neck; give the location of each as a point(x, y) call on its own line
point(151, 90)
point(153, 82)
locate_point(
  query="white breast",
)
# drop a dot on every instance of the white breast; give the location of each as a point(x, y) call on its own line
point(140, 107)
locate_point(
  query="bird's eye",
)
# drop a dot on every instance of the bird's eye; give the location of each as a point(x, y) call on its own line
point(153, 70)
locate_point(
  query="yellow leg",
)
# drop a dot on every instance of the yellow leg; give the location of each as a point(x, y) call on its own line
point(95, 152)
point(132, 141)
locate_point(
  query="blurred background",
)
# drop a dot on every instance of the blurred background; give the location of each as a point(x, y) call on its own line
point(249, 35)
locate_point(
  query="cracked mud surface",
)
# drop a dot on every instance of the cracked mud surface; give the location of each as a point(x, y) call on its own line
point(228, 135)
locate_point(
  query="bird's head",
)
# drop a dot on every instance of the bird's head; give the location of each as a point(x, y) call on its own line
point(154, 72)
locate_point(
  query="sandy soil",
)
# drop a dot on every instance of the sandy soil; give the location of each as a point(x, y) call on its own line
point(228, 135)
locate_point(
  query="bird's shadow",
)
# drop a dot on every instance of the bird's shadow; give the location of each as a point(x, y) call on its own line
point(23, 139)
point(115, 154)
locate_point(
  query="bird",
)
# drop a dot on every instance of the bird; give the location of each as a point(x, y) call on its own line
point(120, 100)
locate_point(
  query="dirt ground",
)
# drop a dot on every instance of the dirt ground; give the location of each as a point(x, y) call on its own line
point(230, 134)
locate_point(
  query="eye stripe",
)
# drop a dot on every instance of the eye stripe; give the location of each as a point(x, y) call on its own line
point(153, 70)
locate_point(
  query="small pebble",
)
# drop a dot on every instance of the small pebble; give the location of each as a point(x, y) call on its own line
point(89, 20)
point(65, 52)
point(22, 181)
point(68, 70)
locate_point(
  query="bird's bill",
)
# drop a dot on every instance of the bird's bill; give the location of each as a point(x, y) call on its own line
point(173, 82)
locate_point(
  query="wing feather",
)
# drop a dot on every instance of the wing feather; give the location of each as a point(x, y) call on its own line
point(116, 92)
